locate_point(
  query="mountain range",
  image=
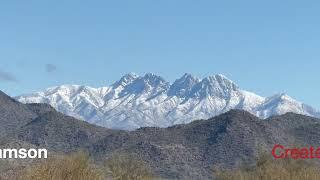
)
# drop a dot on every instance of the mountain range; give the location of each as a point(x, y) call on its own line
point(150, 101)
point(185, 151)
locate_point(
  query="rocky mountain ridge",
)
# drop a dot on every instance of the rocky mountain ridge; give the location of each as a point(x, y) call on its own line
point(143, 101)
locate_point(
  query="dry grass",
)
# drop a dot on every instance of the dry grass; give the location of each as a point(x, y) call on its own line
point(78, 166)
point(73, 167)
point(124, 167)
point(268, 168)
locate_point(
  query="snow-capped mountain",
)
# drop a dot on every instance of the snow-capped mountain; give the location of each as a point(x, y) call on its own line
point(138, 101)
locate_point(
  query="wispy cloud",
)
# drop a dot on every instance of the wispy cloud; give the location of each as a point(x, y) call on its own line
point(50, 68)
point(7, 77)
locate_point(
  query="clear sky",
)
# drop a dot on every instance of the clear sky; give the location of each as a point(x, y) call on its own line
point(264, 46)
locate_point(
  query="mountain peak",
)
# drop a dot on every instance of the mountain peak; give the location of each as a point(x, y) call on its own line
point(131, 75)
point(281, 97)
point(148, 83)
point(150, 77)
point(187, 76)
point(222, 81)
point(5, 98)
point(137, 101)
point(183, 86)
point(217, 85)
point(151, 80)
point(126, 79)
point(285, 96)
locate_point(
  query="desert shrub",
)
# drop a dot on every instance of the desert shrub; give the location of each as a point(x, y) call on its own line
point(267, 168)
point(124, 167)
point(72, 167)
point(77, 166)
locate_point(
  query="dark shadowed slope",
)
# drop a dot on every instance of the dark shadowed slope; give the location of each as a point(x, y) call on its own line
point(193, 149)
point(43, 126)
point(59, 132)
point(13, 114)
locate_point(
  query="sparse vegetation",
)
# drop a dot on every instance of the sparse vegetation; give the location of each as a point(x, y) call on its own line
point(267, 168)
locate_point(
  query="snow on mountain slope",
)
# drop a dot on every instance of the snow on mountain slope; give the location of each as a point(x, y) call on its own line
point(137, 101)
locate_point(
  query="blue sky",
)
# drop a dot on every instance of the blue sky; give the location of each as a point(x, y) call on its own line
point(264, 46)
